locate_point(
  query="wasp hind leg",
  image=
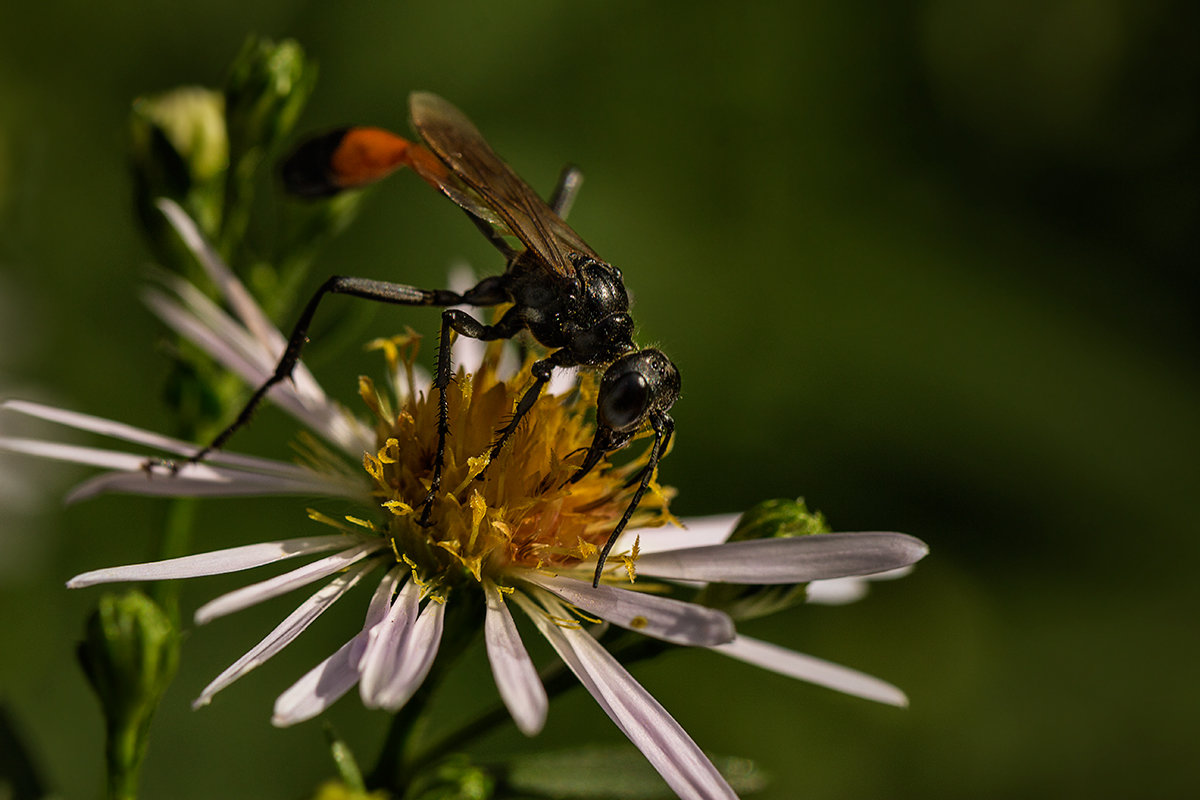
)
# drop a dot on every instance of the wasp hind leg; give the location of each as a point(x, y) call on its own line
point(487, 292)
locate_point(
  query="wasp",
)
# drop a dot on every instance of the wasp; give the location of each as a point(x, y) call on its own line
point(569, 299)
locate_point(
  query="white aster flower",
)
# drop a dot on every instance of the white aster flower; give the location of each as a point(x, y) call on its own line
point(522, 536)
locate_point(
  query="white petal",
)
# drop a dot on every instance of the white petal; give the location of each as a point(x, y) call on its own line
point(563, 381)
point(128, 433)
point(218, 562)
point(134, 477)
point(323, 685)
point(286, 631)
point(381, 601)
point(814, 670)
point(300, 397)
point(836, 591)
point(105, 427)
point(696, 532)
point(415, 657)
point(384, 642)
point(77, 454)
point(197, 318)
point(516, 678)
point(793, 560)
point(235, 293)
point(200, 480)
point(660, 617)
point(649, 727)
point(281, 584)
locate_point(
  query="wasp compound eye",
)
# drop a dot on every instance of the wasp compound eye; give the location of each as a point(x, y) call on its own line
point(623, 402)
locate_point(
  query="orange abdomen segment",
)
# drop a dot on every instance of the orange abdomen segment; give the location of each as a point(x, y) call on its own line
point(348, 158)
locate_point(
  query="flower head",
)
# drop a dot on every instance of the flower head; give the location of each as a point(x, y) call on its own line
point(513, 532)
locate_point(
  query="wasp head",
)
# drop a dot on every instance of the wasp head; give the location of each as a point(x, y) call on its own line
point(638, 386)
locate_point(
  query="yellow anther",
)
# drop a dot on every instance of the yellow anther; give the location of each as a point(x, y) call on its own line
point(362, 523)
point(390, 447)
point(373, 467)
point(317, 516)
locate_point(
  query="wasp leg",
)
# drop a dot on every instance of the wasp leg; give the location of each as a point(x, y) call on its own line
point(664, 428)
point(542, 371)
point(637, 476)
point(566, 190)
point(462, 323)
point(489, 291)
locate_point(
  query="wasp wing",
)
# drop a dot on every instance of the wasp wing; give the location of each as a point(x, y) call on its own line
point(458, 143)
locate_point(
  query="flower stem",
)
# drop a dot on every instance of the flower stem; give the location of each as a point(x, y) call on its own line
point(556, 679)
point(396, 767)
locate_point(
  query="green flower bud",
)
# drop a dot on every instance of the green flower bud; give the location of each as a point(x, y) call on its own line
point(129, 654)
point(180, 150)
point(267, 88)
point(336, 790)
point(768, 520)
point(453, 779)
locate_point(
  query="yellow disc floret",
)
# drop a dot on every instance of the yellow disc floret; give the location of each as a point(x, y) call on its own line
point(519, 509)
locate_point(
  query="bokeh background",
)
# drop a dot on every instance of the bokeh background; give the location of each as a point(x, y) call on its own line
point(931, 265)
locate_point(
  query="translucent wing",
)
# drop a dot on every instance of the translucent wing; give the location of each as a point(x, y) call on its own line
point(456, 141)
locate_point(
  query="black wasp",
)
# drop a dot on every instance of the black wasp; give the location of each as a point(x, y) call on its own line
point(569, 299)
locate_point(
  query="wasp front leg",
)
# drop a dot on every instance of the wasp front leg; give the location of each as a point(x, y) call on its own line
point(462, 323)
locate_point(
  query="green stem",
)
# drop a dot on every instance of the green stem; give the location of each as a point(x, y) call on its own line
point(395, 768)
point(124, 755)
point(556, 679)
point(176, 540)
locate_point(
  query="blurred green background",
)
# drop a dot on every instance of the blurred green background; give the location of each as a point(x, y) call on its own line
point(931, 265)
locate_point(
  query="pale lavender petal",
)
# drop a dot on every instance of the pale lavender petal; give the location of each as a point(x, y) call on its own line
point(286, 632)
point(414, 657)
point(128, 433)
point(235, 293)
point(322, 686)
point(660, 617)
point(649, 727)
point(696, 532)
point(516, 678)
point(77, 454)
point(136, 475)
point(840, 591)
point(467, 353)
point(794, 560)
point(201, 480)
point(198, 318)
point(381, 601)
point(814, 670)
point(105, 427)
point(384, 642)
point(325, 684)
point(218, 562)
point(300, 397)
point(836, 591)
point(563, 380)
point(282, 584)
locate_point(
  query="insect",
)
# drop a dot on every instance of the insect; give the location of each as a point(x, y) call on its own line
point(562, 293)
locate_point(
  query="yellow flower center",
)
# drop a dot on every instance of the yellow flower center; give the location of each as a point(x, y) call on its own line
point(519, 509)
